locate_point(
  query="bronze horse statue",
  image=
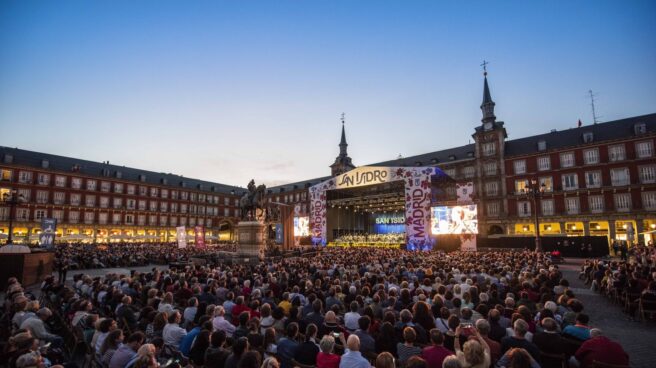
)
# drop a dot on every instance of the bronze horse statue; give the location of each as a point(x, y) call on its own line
point(252, 200)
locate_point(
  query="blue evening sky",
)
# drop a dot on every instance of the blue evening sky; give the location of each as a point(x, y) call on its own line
point(229, 90)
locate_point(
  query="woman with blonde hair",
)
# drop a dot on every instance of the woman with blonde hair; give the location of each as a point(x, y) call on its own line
point(385, 360)
point(270, 362)
point(475, 353)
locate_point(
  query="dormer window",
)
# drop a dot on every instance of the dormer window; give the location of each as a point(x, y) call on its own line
point(119, 175)
point(587, 137)
point(640, 128)
point(542, 145)
point(163, 181)
point(452, 157)
point(142, 178)
point(470, 154)
point(45, 164)
point(417, 163)
point(434, 160)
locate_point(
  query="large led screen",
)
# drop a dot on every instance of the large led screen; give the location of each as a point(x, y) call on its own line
point(302, 226)
point(454, 220)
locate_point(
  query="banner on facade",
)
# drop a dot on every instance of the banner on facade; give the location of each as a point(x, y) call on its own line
point(181, 236)
point(465, 196)
point(48, 232)
point(200, 236)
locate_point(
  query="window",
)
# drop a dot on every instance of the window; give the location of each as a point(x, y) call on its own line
point(645, 149)
point(58, 197)
point(616, 153)
point(39, 214)
point(102, 218)
point(623, 202)
point(73, 216)
point(89, 217)
point(570, 181)
point(58, 215)
point(22, 214)
point(163, 206)
point(104, 202)
point(174, 221)
point(43, 179)
point(26, 193)
point(141, 220)
point(524, 208)
point(593, 179)
point(41, 196)
point(194, 197)
point(192, 208)
point(192, 221)
point(142, 205)
point(75, 199)
point(76, 183)
point(226, 200)
point(492, 209)
point(591, 156)
point(90, 200)
point(174, 194)
point(649, 200)
point(143, 191)
point(5, 175)
point(491, 188)
point(91, 184)
point(588, 137)
point(542, 145)
point(25, 177)
point(184, 195)
point(647, 174)
point(162, 220)
point(567, 159)
point(183, 208)
point(131, 189)
point(520, 186)
point(201, 198)
point(490, 168)
point(174, 207)
point(153, 206)
point(572, 205)
point(183, 221)
point(620, 176)
point(131, 203)
point(547, 207)
point(153, 192)
point(116, 218)
point(546, 183)
point(596, 203)
point(165, 193)
point(118, 202)
point(4, 213)
point(467, 171)
point(489, 148)
point(544, 163)
point(226, 212)
point(105, 186)
point(60, 181)
point(152, 220)
point(520, 166)
point(118, 187)
point(129, 219)
point(640, 128)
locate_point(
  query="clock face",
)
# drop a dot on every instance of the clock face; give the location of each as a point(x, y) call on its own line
point(487, 126)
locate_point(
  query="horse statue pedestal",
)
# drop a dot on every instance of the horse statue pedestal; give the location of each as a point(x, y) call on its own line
point(251, 243)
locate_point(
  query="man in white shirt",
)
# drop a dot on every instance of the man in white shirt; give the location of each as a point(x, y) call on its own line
point(220, 323)
point(173, 333)
point(351, 318)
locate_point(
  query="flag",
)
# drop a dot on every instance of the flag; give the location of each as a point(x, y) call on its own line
point(580, 123)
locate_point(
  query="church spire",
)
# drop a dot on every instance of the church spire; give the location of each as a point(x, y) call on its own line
point(342, 162)
point(488, 105)
point(342, 143)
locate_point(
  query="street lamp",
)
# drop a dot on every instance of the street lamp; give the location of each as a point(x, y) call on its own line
point(533, 192)
point(12, 198)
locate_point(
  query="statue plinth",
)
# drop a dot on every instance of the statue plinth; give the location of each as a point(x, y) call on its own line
point(251, 240)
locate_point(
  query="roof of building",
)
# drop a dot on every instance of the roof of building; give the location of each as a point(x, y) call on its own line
point(572, 137)
point(433, 158)
point(99, 169)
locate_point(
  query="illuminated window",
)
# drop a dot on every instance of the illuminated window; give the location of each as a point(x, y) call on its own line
point(520, 186)
point(546, 183)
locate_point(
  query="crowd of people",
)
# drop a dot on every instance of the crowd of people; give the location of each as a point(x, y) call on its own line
point(631, 282)
point(366, 238)
point(85, 256)
point(345, 308)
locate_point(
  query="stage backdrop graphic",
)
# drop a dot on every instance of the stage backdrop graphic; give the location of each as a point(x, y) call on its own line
point(200, 236)
point(417, 182)
point(465, 193)
point(181, 236)
point(48, 232)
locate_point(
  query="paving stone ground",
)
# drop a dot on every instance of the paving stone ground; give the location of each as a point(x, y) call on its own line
point(637, 338)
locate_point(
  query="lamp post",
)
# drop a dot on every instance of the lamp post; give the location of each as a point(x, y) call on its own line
point(533, 191)
point(12, 198)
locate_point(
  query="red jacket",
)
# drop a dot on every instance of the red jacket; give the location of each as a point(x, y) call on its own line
point(601, 349)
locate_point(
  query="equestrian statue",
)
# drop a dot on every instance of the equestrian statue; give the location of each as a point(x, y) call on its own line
point(252, 201)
